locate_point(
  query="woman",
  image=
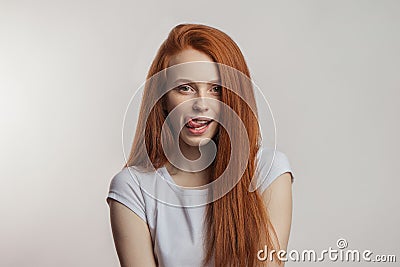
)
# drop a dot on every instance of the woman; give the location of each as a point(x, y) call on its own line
point(188, 135)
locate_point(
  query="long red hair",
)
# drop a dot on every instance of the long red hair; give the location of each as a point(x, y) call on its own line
point(237, 225)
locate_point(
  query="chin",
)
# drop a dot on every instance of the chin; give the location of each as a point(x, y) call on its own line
point(196, 141)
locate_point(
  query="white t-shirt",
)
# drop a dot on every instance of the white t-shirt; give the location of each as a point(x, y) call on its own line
point(177, 231)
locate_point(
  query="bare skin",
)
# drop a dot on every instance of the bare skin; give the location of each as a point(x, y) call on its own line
point(131, 237)
point(278, 200)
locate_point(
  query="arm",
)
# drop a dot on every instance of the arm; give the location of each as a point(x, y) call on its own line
point(131, 237)
point(278, 200)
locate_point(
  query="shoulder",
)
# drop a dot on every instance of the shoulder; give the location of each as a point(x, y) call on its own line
point(126, 176)
point(125, 188)
point(271, 164)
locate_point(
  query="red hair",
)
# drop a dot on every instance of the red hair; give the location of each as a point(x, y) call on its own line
point(237, 225)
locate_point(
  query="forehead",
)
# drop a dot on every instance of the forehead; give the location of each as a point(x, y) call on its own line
point(192, 65)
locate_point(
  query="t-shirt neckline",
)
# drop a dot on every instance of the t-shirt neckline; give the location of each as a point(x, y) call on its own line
point(195, 191)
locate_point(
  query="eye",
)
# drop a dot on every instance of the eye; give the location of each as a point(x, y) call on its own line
point(216, 89)
point(185, 88)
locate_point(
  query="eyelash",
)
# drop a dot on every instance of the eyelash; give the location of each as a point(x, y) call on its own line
point(183, 87)
point(186, 86)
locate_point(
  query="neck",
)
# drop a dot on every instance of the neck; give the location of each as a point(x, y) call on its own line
point(187, 169)
point(189, 152)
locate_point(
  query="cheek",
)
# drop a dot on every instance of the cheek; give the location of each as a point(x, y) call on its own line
point(216, 107)
point(179, 103)
point(171, 102)
point(174, 99)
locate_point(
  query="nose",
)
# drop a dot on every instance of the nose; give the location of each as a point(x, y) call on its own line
point(200, 104)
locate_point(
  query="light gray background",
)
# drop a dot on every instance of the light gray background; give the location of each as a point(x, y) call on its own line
point(330, 70)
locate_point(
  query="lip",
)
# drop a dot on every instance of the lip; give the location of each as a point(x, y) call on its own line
point(199, 131)
point(188, 118)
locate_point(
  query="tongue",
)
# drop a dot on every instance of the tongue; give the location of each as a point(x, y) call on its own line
point(194, 124)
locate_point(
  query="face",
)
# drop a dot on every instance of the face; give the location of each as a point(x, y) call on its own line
point(194, 97)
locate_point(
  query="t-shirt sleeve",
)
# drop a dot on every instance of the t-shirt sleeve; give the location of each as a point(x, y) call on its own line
point(267, 172)
point(124, 188)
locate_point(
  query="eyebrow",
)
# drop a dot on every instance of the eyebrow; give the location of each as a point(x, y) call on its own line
point(190, 81)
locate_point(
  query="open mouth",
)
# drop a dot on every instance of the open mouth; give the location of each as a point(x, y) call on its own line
point(198, 125)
